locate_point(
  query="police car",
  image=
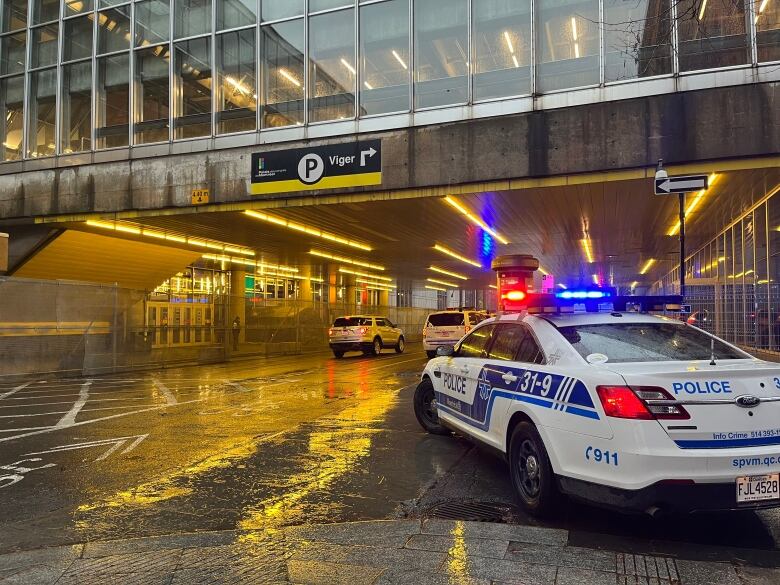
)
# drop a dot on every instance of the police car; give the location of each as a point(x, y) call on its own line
point(622, 409)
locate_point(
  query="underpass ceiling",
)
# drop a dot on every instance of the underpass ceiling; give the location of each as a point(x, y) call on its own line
point(626, 224)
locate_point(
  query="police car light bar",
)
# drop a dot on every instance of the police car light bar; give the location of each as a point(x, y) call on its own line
point(604, 301)
point(583, 294)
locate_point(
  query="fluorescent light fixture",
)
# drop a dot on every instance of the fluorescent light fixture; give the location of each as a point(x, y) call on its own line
point(561, 285)
point(346, 260)
point(442, 282)
point(509, 41)
point(365, 274)
point(595, 279)
point(475, 220)
point(316, 279)
point(576, 50)
point(262, 216)
point(346, 64)
point(438, 288)
point(248, 262)
point(647, 265)
point(368, 85)
point(448, 252)
point(693, 204)
point(634, 284)
point(289, 77)
point(514, 60)
point(493, 286)
point(574, 28)
point(398, 58)
point(703, 7)
point(587, 249)
point(761, 9)
point(448, 273)
point(374, 284)
point(238, 85)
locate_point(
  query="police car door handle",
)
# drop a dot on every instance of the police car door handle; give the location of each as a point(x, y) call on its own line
point(437, 372)
point(509, 378)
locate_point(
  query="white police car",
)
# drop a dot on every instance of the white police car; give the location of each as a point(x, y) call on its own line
point(622, 409)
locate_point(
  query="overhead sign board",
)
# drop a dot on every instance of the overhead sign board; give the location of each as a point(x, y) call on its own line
point(334, 166)
point(680, 184)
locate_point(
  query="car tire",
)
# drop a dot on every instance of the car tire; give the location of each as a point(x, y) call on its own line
point(533, 479)
point(430, 353)
point(376, 347)
point(338, 354)
point(401, 345)
point(425, 408)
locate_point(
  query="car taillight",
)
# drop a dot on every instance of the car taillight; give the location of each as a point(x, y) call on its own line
point(639, 403)
point(330, 331)
point(362, 331)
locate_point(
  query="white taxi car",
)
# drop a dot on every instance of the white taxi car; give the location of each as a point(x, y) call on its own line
point(621, 409)
point(367, 333)
point(447, 327)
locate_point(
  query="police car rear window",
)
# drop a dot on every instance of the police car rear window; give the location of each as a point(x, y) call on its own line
point(352, 321)
point(645, 342)
point(446, 319)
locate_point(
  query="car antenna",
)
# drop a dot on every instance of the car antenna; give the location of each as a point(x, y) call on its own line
point(712, 352)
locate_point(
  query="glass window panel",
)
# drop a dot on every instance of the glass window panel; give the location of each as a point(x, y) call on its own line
point(12, 112)
point(42, 112)
point(315, 5)
point(192, 67)
point(44, 46)
point(275, 9)
point(384, 57)
point(283, 71)
point(192, 17)
point(237, 100)
point(441, 52)
point(235, 13)
point(637, 37)
point(768, 29)
point(114, 29)
point(45, 11)
point(152, 97)
point(106, 3)
point(14, 15)
point(567, 40)
point(332, 66)
point(502, 44)
point(13, 52)
point(76, 110)
point(77, 40)
point(113, 101)
point(152, 22)
point(74, 7)
point(711, 34)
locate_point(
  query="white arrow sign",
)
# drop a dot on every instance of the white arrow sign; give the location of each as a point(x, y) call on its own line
point(680, 184)
point(364, 153)
point(114, 445)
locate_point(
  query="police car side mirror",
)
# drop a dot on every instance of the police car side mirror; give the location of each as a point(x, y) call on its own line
point(445, 351)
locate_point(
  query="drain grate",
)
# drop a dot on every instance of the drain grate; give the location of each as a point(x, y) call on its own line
point(472, 511)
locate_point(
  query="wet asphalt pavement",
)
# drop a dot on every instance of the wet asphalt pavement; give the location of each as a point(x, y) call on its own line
point(267, 443)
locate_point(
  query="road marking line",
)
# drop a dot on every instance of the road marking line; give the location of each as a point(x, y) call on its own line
point(14, 390)
point(26, 429)
point(169, 397)
point(70, 418)
point(68, 402)
point(117, 442)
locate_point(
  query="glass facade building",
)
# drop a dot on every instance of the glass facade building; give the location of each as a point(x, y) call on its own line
point(85, 75)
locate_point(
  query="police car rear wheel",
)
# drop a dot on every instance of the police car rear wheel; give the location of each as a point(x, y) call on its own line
point(425, 408)
point(400, 346)
point(532, 474)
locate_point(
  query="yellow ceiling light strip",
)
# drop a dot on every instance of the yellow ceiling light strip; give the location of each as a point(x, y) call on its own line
point(647, 266)
point(448, 252)
point(587, 249)
point(634, 284)
point(159, 235)
point(352, 261)
point(448, 273)
point(693, 204)
point(248, 262)
point(365, 274)
point(299, 227)
point(316, 279)
point(444, 282)
point(438, 288)
point(493, 286)
point(475, 220)
point(378, 285)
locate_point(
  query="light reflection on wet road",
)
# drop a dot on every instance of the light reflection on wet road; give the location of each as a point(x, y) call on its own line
point(263, 444)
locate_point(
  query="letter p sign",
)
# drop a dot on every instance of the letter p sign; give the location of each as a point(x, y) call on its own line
point(311, 168)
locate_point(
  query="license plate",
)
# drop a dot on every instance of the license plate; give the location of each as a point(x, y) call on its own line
point(757, 488)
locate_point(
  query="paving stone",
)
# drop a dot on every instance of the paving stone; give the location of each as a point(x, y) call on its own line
point(512, 532)
point(50, 557)
point(384, 533)
point(157, 565)
point(755, 575)
point(396, 576)
point(256, 573)
point(123, 579)
point(478, 547)
point(40, 575)
point(133, 545)
point(325, 573)
point(501, 570)
point(267, 552)
point(704, 573)
point(574, 576)
point(566, 556)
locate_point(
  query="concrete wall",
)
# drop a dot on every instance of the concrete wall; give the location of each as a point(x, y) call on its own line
point(738, 121)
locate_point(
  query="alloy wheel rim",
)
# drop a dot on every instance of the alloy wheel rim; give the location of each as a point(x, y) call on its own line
point(529, 469)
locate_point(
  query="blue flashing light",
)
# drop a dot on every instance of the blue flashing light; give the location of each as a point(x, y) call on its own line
point(583, 294)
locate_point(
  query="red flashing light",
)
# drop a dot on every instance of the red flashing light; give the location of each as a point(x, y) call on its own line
point(621, 402)
point(514, 295)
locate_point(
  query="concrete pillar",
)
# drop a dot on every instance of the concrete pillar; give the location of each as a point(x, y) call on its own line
point(384, 298)
point(304, 286)
point(333, 279)
point(3, 253)
point(237, 304)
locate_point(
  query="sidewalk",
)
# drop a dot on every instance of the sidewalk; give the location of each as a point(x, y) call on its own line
point(404, 551)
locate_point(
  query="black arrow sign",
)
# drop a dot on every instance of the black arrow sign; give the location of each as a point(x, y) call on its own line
point(680, 184)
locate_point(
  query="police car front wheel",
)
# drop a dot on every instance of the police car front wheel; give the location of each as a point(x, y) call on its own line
point(425, 408)
point(532, 475)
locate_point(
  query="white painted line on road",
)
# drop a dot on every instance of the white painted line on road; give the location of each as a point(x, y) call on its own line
point(26, 429)
point(14, 390)
point(70, 418)
point(169, 397)
point(116, 443)
point(68, 402)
